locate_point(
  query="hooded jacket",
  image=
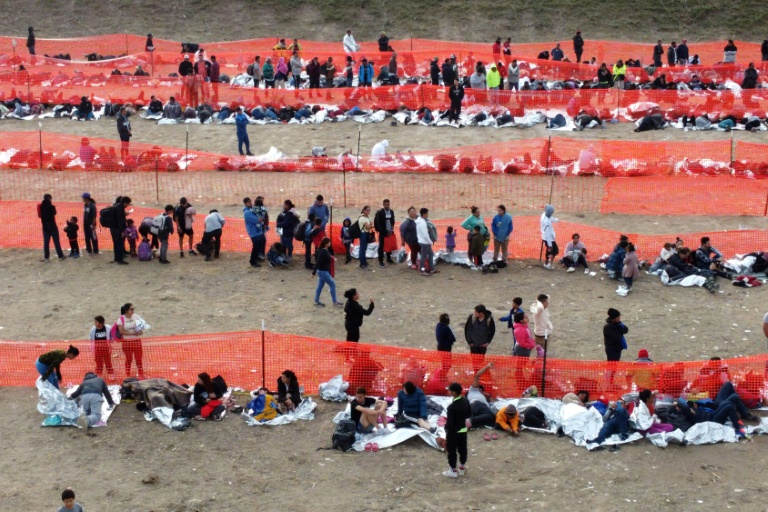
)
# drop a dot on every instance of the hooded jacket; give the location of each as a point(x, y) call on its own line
point(93, 384)
point(47, 213)
point(478, 332)
point(413, 405)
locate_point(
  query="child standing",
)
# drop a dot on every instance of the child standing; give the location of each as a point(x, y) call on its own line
point(450, 239)
point(131, 234)
point(102, 350)
point(631, 268)
point(71, 231)
point(68, 497)
point(346, 239)
point(477, 246)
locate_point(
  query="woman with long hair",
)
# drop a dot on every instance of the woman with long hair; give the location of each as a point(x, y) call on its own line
point(323, 264)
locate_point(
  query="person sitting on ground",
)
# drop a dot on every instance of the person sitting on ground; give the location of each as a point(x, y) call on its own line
point(580, 397)
point(584, 120)
point(288, 392)
point(643, 417)
point(651, 122)
point(206, 399)
point(140, 71)
point(276, 255)
point(660, 82)
point(172, 109)
point(667, 251)
point(90, 392)
point(482, 415)
point(379, 151)
point(616, 420)
point(643, 357)
point(412, 405)
point(263, 406)
point(575, 254)
point(368, 413)
point(727, 393)
point(615, 261)
point(508, 420)
point(85, 110)
point(155, 105)
point(705, 260)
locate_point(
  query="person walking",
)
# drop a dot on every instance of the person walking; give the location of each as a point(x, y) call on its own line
point(384, 224)
point(613, 335)
point(125, 133)
point(211, 242)
point(502, 227)
point(354, 313)
point(241, 121)
point(254, 226)
point(46, 211)
point(323, 270)
point(117, 227)
point(31, 41)
point(458, 413)
point(89, 224)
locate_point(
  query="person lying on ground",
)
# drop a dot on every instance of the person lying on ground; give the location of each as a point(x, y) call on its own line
point(263, 406)
point(697, 414)
point(580, 397)
point(508, 420)
point(412, 405)
point(651, 122)
point(91, 393)
point(482, 414)
point(288, 391)
point(368, 413)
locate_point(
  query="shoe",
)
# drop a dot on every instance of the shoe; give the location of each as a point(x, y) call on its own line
point(586, 271)
point(181, 254)
point(208, 259)
point(461, 470)
point(82, 422)
point(338, 304)
point(270, 264)
point(381, 265)
point(571, 269)
point(100, 423)
point(614, 448)
point(220, 416)
point(752, 417)
point(548, 266)
point(122, 262)
point(434, 271)
point(249, 154)
point(164, 261)
point(45, 260)
point(192, 253)
point(390, 261)
point(414, 267)
point(433, 430)
point(425, 274)
point(257, 265)
point(319, 304)
point(451, 473)
point(596, 448)
point(62, 258)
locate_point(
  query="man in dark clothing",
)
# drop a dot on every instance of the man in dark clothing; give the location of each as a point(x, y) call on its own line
point(117, 227)
point(384, 224)
point(672, 54)
point(658, 52)
point(456, 431)
point(613, 335)
point(89, 224)
point(155, 105)
point(124, 131)
point(578, 45)
point(651, 122)
point(764, 49)
point(456, 94)
point(695, 414)
point(313, 72)
point(682, 53)
point(47, 213)
point(409, 237)
point(186, 68)
point(448, 74)
point(31, 41)
point(479, 331)
point(434, 72)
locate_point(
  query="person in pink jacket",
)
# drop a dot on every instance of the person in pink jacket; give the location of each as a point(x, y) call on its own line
point(524, 342)
point(631, 268)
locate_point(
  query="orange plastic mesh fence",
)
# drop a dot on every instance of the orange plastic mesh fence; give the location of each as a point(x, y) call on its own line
point(20, 229)
point(382, 369)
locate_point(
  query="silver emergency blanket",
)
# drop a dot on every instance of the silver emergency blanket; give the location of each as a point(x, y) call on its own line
point(165, 416)
point(662, 439)
point(305, 411)
point(710, 433)
point(461, 258)
point(58, 409)
point(335, 390)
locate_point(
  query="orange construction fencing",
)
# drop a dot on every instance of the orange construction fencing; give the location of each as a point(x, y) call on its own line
point(252, 359)
point(20, 229)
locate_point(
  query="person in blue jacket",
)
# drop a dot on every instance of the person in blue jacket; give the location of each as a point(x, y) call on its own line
point(444, 334)
point(365, 74)
point(501, 227)
point(241, 120)
point(254, 226)
point(517, 305)
point(412, 405)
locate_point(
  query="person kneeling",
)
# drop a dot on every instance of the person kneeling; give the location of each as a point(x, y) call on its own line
point(508, 420)
point(92, 392)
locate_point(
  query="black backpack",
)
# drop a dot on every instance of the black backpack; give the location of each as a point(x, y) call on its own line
point(354, 230)
point(300, 231)
point(344, 435)
point(107, 216)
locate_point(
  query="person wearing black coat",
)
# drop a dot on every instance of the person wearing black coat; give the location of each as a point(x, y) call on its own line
point(578, 46)
point(434, 72)
point(117, 227)
point(658, 52)
point(448, 74)
point(764, 49)
point(458, 412)
point(354, 313)
point(47, 213)
point(125, 133)
point(444, 334)
point(456, 95)
point(186, 67)
point(613, 335)
point(672, 54)
point(288, 391)
point(31, 41)
point(750, 77)
point(384, 224)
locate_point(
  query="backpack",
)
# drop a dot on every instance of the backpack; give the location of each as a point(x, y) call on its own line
point(145, 251)
point(344, 435)
point(300, 231)
point(354, 230)
point(432, 231)
point(107, 216)
point(158, 222)
point(114, 332)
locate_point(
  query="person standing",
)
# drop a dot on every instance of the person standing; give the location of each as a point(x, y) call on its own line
point(321, 211)
point(474, 219)
point(631, 269)
point(384, 224)
point(434, 72)
point(287, 222)
point(241, 121)
point(458, 413)
point(211, 242)
point(409, 237)
point(31, 40)
point(47, 214)
point(125, 133)
point(502, 227)
point(323, 267)
point(254, 226)
point(184, 215)
point(426, 234)
point(117, 227)
point(478, 332)
point(513, 75)
point(548, 236)
point(165, 232)
point(354, 313)
point(366, 227)
point(672, 54)
point(130, 327)
point(613, 335)
point(445, 340)
point(89, 224)
point(100, 340)
point(456, 95)
point(542, 326)
point(658, 52)
point(578, 46)
point(215, 78)
point(682, 53)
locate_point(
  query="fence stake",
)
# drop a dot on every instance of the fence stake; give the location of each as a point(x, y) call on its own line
point(29, 92)
point(157, 183)
point(330, 221)
point(733, 149)
point(186, 152)
point(544, 367)
point(552, 182)
point(126, 43)
point(40, 136)
point(263, 358)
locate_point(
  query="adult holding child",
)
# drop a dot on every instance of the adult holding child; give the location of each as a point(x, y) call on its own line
point(128, 329)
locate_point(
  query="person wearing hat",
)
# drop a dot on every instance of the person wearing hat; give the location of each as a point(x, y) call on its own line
point(643, 357)
point(508, 420)
point(458, 412)
point(241, 121)
point(578, 46)
point(90, 213)
point(31, 40)
point(613, 335)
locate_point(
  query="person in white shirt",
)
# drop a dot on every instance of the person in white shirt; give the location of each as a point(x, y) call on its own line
point(542, 326)
point(214, 224)
point(426, 239)
point(575, 254)
point(668, 250)
point(379, 151)
point(350, 46)
point(548, 236)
